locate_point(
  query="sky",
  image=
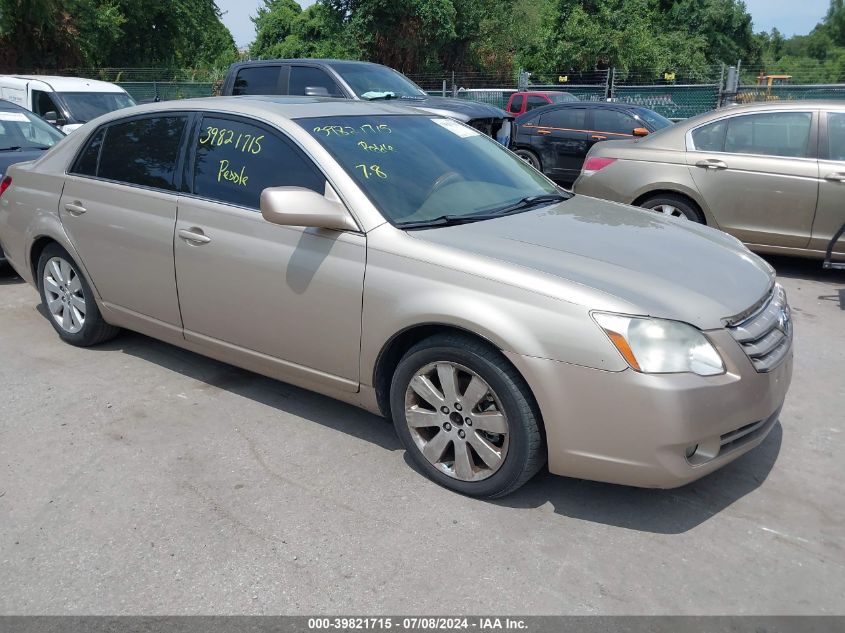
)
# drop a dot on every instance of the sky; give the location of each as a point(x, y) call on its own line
point(791, 17)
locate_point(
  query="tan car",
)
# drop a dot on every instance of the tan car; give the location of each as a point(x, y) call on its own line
point(771, 174)
point(408, 264)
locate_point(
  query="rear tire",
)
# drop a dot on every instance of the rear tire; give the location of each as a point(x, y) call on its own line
point(466, 417)
point(674, 205)
point(69, 301)
point(531, 158)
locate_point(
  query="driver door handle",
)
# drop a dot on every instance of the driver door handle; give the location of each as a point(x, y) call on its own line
point(195, 236)
point(599, 137)
point(835, 177)
point(75, 208)
point(712, 163)
point(544, 131)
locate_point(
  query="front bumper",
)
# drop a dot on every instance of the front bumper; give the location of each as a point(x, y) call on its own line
point(637, 429)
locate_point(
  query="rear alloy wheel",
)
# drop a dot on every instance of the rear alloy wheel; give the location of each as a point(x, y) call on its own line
point(674, 206)
point(466, 417)
point(68, 298)
point(529, 157)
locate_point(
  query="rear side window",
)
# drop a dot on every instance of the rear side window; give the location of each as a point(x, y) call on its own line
point(305, 80)
point(772, 134)
point(565, 118)
point(143, 151)
point(236, 161)
point(516, 103)
point(710, 138)
point(259, 80)
point(614, 122)
point(86, 163)
point(836, 135)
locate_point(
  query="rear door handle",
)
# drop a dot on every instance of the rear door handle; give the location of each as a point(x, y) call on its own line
point(711, 163)
point(75, 208)
point(544, 131)
point(194, 235)
point(837, 177)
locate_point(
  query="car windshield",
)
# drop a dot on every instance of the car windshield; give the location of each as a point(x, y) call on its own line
point(562, 97)
point(656, 121)
point(371, 81)
point(24, 130)
point(423, 170)
point(85, 106)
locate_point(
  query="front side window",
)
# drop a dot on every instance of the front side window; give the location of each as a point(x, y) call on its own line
point(143, 151)
point(236, 160)
point(836, 135)
point(536, 102)
point(86, 106)
point(418, 169)
point(565, 119)
point(306, 80)
point(24, 130)
point(771, 134)
point(614, 122)
point(259, 80)
point(42, 103)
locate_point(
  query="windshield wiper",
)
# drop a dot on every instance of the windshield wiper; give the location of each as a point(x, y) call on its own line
point(517, 207)
point(15, 148)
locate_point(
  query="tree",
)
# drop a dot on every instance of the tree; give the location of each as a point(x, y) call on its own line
point(283, 30)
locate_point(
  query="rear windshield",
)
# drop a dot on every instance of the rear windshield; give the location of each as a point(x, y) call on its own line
point(85, 106)
point(23, 130)
point(562, 97)
point(417, 168)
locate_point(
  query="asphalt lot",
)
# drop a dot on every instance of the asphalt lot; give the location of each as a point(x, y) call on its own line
point(136, 478)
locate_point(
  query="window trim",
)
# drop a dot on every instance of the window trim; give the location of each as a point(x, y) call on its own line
point(812, 143)
point(177, 170)
point(824, 136)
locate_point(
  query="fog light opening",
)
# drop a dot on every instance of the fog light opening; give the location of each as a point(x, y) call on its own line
point(691, 451)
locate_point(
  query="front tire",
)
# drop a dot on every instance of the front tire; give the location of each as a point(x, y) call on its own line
point(466, 417)
point(69, 300)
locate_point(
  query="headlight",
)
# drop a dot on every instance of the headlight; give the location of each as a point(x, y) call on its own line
point(658, 346)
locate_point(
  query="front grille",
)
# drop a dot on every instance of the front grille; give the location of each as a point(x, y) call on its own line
point(766, 333)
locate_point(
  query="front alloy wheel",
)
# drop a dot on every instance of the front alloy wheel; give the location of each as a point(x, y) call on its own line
point(456, 421)
point(466, 417)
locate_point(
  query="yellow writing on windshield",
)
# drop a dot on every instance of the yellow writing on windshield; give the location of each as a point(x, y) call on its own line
point(371, 171)
point(348, 130)
point(373, 147)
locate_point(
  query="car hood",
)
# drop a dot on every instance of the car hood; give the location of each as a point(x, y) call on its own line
point(8, 158)
point(463, 109)
point(656, 266)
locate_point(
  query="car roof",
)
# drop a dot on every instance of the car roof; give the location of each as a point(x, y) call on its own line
point(302, 60)
point(542, 92)
point(71, 84)
point(272, 106)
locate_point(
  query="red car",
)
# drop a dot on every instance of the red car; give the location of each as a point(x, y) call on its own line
point(522, 102)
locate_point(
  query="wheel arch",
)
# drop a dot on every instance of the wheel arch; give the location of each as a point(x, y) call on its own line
point(397, 346)
point(682, 192)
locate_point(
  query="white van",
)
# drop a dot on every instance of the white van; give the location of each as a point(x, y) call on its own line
point(67, 102)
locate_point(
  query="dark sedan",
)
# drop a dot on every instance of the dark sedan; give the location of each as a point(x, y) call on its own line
point(23, 136)
point(555, 139)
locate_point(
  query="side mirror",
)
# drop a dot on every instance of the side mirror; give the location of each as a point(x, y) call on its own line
point(640, 131)
point(297, 206)
point(52, 117)
point(316, 91)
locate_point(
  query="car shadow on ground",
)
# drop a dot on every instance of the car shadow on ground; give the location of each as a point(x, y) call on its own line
point(811, 270)
point(647, 510)
point(659, 511)
point(8, 277)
